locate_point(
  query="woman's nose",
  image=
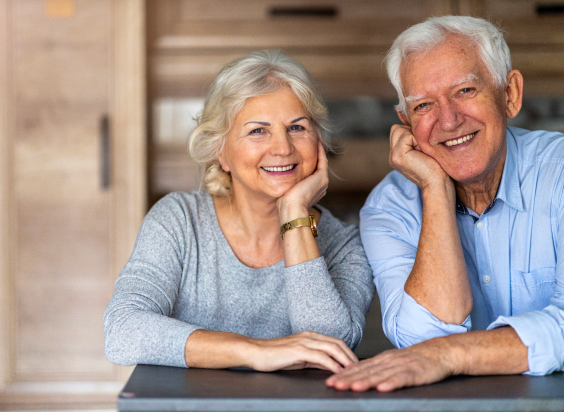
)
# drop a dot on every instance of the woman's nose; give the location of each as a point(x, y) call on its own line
point(281, 143)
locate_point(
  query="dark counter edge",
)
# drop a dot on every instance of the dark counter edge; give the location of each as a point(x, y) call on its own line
point(330, 405)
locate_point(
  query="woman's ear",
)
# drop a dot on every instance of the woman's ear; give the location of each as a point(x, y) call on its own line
point(223, 164)
point(514, 93)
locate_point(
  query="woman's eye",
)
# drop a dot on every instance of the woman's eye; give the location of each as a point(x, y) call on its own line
point(296, 127)
point(257, 131)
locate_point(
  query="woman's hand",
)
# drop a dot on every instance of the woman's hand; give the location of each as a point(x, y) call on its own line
point(407, 158)
point(209, 349)
point(297, 201)
point(302, 350)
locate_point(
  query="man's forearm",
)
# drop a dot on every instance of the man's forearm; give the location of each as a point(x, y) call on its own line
point(438, 280)
point(494, 352)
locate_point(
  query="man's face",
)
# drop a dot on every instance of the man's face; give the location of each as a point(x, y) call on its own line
point(457, 114)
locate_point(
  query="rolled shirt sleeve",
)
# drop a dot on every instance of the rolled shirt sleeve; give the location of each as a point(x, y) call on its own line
point(542, 333)
point(415, 324)
point(390, 224)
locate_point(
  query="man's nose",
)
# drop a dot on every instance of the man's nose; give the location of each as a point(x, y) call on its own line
point(449, 115)
point(281, 143)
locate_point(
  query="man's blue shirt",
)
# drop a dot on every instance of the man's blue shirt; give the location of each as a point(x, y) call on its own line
point(514, 252)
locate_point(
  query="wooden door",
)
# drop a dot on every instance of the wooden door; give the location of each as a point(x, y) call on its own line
point(62, 84)
point(70, 178)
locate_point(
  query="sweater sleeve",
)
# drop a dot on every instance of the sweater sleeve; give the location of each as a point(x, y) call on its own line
point(331, 294)
point(138, 326)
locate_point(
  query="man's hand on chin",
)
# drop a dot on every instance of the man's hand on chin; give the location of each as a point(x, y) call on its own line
point(427, 362)
point(407, 158)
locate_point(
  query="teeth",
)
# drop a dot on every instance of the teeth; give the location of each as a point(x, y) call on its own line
point(454, 142)
point(278, 169)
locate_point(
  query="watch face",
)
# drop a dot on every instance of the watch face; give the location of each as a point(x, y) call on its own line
point(313, 225)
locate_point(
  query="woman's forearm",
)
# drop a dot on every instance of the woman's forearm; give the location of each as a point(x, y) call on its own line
point(299, 243)
point(217, 350)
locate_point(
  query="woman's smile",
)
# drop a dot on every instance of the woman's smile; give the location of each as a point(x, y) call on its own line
point(279, 170)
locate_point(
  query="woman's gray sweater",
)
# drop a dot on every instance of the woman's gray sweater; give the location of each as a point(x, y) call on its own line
point(183, 276)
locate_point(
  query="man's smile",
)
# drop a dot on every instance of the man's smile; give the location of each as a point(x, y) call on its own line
point(460, 140)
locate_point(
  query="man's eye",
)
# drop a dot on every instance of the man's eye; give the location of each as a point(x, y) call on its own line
point(421, 106)
point(466, 90)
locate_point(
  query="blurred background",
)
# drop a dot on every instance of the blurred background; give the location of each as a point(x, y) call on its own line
point(97, 98)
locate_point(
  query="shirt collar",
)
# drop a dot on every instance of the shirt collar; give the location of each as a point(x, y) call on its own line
point(509, 189)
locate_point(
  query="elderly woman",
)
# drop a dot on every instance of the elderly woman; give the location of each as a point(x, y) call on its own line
point(241, 274)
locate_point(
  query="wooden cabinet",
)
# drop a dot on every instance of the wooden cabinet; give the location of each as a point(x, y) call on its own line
point(72, 133)
point(342, 43)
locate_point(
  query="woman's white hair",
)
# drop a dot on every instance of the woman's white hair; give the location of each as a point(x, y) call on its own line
point(424, 36)
point(249, 76)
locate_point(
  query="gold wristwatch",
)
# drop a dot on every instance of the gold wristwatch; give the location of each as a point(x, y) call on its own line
point(302, 222)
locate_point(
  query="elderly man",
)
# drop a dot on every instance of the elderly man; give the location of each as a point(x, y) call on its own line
point(466, 237)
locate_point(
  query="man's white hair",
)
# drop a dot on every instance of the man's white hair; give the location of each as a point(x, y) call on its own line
point(424, 36)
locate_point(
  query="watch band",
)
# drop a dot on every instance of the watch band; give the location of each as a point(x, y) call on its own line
point(302, 222)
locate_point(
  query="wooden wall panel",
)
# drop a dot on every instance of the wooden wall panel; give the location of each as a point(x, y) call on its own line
point(129, 130)
point(6, 303)
point(190, 40)
point(190, 76)
point(259, 9)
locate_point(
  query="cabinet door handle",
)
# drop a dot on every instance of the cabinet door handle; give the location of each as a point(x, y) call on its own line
point(105, 151)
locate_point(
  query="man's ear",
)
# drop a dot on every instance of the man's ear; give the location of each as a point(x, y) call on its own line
point(403, 117)
point(514, 93)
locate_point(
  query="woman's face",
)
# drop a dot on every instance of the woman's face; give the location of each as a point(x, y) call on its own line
point(271, 146)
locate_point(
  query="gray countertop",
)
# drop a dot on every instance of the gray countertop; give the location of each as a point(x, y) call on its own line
point(161, 388)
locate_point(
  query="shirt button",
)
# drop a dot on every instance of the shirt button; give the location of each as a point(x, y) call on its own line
point(487, 279)
point(480, 225)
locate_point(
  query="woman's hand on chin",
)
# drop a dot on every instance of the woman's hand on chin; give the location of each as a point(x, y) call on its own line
point(297, 201)
point(302, 350)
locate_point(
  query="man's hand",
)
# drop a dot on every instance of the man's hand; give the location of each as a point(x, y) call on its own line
point(407, 158)
point(420, 364)
point(493, 352)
